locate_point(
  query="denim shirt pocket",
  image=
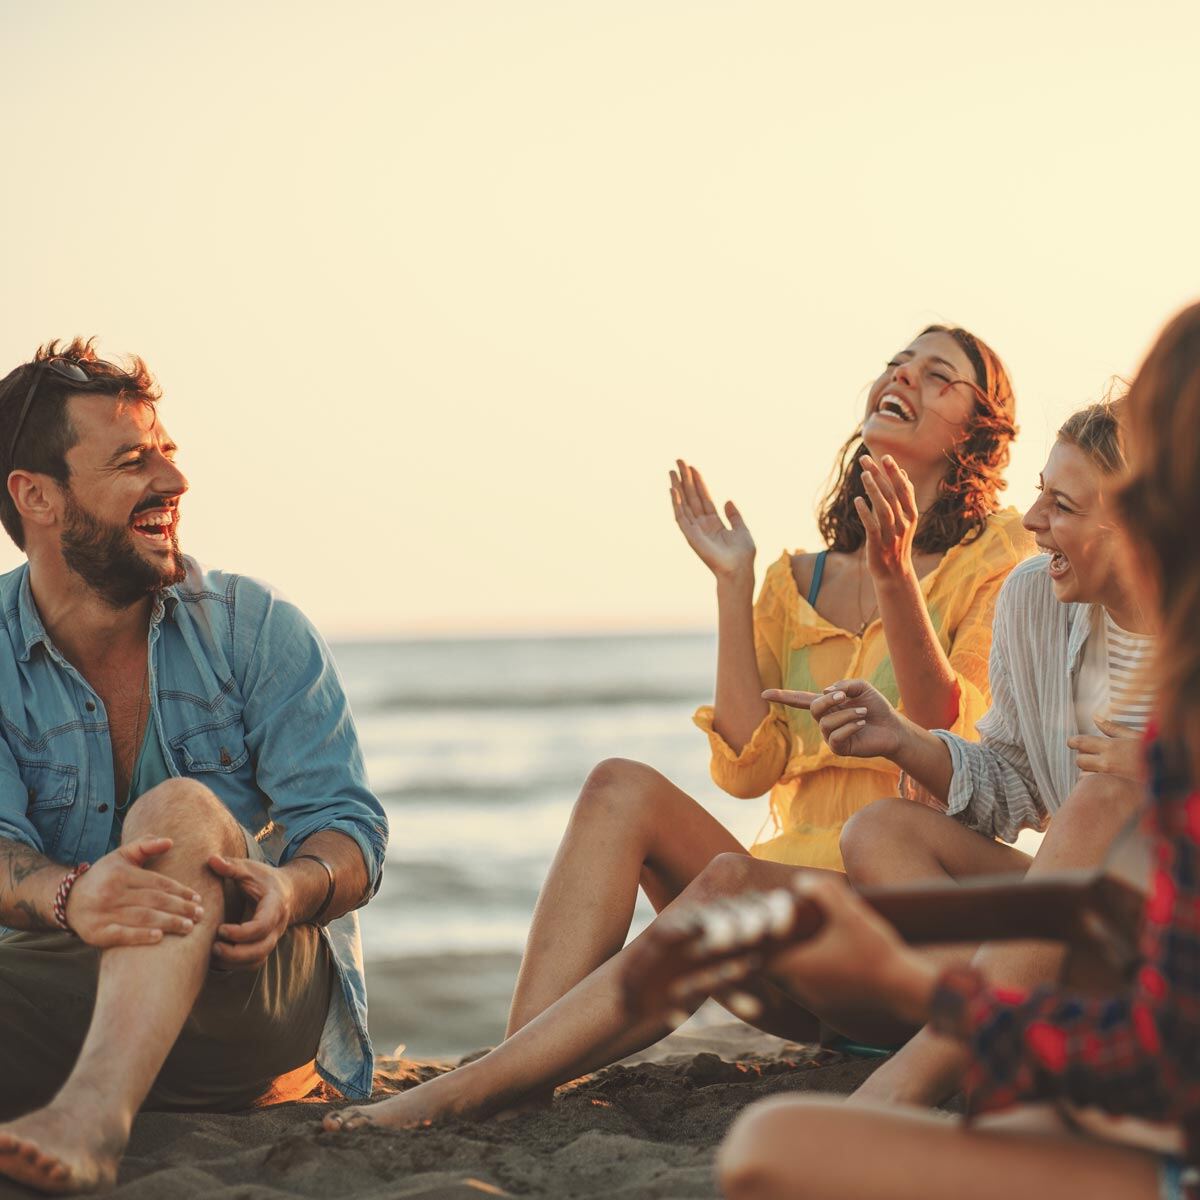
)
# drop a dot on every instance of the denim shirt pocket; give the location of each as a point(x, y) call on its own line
point(50, 788)
point(218, 746)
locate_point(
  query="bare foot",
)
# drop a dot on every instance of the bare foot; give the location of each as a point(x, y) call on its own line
point(422, 1105)
point(55, 1151)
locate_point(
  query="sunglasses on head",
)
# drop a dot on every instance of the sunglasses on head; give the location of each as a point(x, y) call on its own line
point(64, 368)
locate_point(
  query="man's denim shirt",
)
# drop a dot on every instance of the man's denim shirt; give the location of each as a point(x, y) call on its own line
point(245, 698)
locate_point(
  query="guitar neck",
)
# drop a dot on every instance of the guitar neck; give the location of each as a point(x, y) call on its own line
point(1051, 907)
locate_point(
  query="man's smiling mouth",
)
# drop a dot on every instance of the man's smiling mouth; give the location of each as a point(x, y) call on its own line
point(157, 526)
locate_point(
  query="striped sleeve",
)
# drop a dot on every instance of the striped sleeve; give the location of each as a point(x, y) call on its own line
point(992, 789)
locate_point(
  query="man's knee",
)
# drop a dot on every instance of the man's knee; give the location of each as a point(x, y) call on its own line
point(189, 814)
point(875, 833)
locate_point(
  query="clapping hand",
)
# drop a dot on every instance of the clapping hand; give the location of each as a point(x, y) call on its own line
point(890, 519)
point(726, 550)
point(854, 718)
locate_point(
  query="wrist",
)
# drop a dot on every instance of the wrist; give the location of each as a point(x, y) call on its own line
point(62, 897)
point(913, 983)
point(895, 580)
point(736, 585)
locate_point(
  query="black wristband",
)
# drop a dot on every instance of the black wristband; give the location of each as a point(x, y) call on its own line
point(329, 893)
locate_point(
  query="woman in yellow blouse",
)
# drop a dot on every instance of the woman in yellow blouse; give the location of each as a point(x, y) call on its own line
point(918, 625)
point(916, 554)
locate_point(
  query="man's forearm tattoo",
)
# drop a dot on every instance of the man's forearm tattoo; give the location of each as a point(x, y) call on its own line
point(18, 863)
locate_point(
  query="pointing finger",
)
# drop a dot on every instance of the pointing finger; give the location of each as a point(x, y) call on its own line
point(790, 698)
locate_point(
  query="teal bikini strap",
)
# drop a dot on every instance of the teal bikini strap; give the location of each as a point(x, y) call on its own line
point(818, 571)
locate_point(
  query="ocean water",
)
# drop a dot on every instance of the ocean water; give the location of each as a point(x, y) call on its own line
point(477, 749)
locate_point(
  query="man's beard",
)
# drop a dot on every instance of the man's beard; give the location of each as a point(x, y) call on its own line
point(104, 557)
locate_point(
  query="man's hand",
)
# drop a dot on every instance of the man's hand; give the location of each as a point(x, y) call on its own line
point(121, 903)
point(1117, 752)
point(248, 945)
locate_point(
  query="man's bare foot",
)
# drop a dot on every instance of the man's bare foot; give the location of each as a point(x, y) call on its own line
point(55, 1150)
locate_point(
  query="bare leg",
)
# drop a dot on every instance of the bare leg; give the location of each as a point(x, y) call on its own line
point(894, 842)
point(633, 827)
point(143, 997)
point(899, 841)
point(810, 1149)
point(585, 1029)
point(929, 1068)
point(630, 826)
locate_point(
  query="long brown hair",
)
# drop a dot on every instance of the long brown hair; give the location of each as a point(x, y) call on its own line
point(969, 494)
point(1161, 506)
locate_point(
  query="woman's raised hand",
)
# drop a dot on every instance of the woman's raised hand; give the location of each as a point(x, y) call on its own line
point(725, 549)
point(890, 519)
point(854, 718)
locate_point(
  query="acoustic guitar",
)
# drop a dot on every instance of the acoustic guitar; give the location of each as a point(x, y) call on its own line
point(1095, 913)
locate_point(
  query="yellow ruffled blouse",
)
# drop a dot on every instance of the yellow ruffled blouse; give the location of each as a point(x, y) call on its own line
point(814, 791)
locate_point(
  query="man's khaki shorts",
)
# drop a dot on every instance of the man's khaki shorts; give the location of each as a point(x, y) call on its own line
point(247, 1027)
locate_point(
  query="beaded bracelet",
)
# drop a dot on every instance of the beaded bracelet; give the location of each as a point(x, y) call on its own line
point(64, 890)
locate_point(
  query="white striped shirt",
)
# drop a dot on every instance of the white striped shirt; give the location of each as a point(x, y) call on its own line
point(1021, 770)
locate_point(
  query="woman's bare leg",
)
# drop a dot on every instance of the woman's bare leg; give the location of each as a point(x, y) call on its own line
point(630, 826)
point(928, 1068)
point(583, 1030)
point(809, 1149)
point(898, 841)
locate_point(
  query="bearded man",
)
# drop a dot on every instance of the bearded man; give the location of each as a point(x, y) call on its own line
point(184, 732)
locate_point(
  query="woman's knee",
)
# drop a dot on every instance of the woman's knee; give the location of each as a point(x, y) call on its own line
point(727, 874)
point(764, 1152)
point(873, 834)
point(618, 788)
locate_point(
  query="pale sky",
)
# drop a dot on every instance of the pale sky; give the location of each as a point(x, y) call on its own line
point(437, 291)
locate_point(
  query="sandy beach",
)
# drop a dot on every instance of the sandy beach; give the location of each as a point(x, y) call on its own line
point(648, 1127)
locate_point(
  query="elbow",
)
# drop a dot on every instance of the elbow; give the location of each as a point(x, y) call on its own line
point(744, 789)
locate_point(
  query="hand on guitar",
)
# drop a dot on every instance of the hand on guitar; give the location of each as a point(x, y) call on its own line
point(854, 718)
point(818, 939)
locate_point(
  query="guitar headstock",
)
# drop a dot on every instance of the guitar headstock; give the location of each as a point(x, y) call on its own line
point(694, 952)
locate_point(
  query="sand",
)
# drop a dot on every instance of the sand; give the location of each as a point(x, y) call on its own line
point(646, 1128)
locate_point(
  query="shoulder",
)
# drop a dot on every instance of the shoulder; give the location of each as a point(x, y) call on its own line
point(247, 603)
point(779, 587)
point(1028, 593)
point(1003, 539)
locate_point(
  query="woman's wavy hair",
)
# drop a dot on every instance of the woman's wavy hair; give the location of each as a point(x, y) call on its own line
point(969, 494)
point(1160, 504)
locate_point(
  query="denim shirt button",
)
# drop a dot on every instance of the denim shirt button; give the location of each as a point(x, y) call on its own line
point(90, 706)
point(102, 808)
point(225, 759)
